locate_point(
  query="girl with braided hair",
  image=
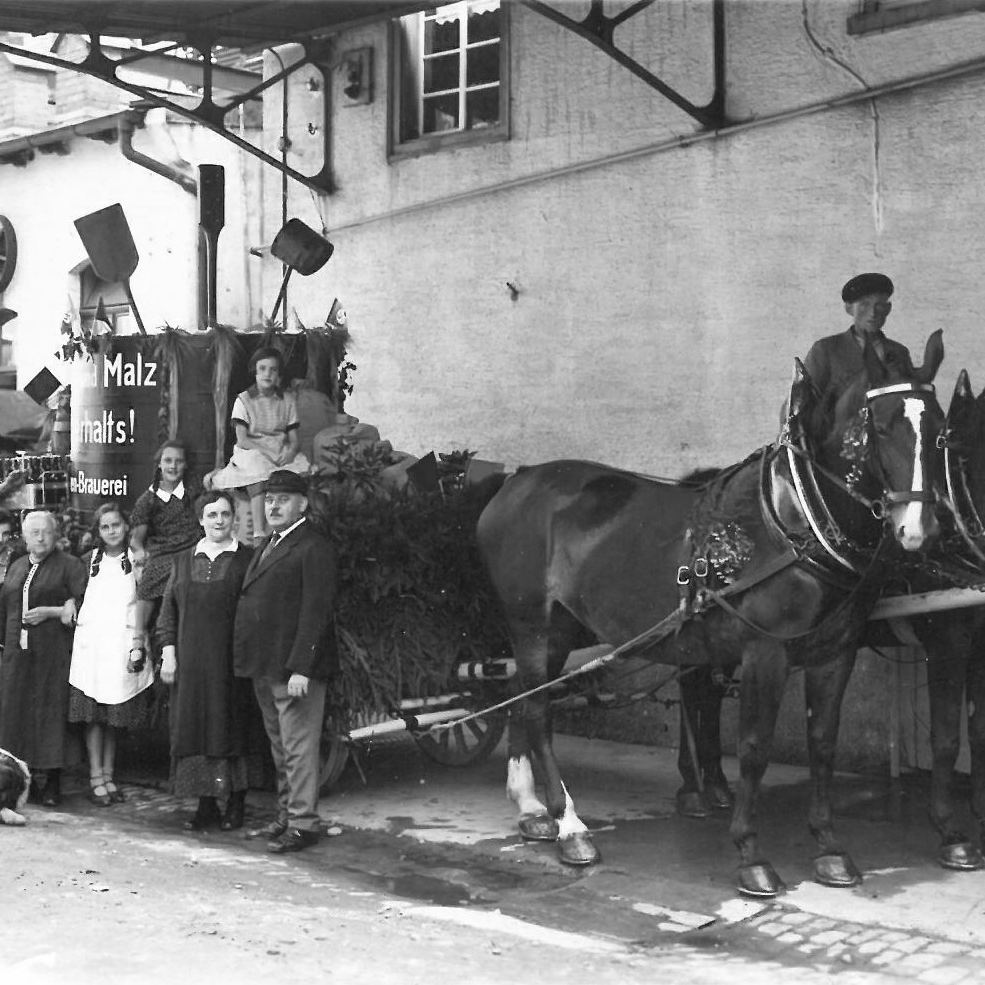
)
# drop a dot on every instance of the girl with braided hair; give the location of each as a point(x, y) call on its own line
point(104, 692)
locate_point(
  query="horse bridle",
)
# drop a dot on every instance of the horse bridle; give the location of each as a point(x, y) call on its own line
point(889, 497)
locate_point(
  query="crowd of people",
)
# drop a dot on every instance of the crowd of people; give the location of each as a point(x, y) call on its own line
point(245, 634)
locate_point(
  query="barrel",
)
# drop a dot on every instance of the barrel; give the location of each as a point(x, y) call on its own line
point(120, 416)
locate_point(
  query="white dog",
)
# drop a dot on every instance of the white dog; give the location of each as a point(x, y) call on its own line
point(15, 782)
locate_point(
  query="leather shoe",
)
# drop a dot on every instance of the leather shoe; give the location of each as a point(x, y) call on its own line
point(270, 831)
point(207, 816)
point(292, 840)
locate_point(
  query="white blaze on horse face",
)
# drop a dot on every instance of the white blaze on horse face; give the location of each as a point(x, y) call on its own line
point(908, 517)
point(520, 786)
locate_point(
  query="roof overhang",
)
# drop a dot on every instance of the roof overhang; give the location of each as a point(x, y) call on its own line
point(233, 23)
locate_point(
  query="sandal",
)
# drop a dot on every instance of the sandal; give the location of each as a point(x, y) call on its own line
point(98, 793)
point(116, 795)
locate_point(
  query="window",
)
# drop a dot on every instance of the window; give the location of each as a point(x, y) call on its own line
point(450, 76)
point(884, 15)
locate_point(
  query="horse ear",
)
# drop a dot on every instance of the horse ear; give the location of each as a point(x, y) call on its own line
point(933, 356)
point(801, 391)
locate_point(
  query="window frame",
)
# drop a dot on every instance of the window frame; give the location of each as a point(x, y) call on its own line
point(873, 17)
point(432, 142)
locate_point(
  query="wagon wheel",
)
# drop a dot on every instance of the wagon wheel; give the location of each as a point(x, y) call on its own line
point(332, 759)
point(465, 742)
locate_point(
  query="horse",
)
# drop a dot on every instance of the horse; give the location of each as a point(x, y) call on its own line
point(793, 550)
point(954, 639)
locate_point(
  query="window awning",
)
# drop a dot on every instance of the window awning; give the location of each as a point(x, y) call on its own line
point(233, 23)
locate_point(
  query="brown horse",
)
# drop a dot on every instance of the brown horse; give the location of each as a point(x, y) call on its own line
point(954, 640)
point(581, 553)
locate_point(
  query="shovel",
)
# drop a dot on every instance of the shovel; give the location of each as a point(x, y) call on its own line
point(301, 249)
point(212, 217)
point(106, 237)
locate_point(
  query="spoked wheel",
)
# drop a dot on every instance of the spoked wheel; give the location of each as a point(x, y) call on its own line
point(333, 756)
point(463, 743)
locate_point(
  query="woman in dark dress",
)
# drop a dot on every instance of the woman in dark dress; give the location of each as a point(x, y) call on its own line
point(162, 524)
point(38, 604)
point(216, 729)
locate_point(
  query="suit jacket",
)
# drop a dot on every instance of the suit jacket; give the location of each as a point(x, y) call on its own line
point(835, 361)
point(285, 617)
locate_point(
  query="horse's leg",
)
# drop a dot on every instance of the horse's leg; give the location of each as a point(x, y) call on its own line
point(824, 689)
point(534, 822)
point(700, 747)
point(764, 674)
point(948, 646)
point(975, 700)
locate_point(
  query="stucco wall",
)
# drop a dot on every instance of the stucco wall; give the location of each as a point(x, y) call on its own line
point(43, 199)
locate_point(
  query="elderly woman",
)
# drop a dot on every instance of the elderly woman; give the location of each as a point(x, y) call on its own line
point(216, 729)
point(38, 604)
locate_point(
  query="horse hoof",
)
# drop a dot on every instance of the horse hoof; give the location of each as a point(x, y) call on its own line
point(719, 796)
point(837, 871)
point(578, 849)
point(962, 856)
point(537, 827)
point(690, 803)
point(760, 881)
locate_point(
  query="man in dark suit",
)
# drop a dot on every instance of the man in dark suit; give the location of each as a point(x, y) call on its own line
point(836, 360)
point(284, 640)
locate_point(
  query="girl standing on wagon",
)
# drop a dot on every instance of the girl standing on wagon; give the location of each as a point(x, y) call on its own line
point(163, 524)
point(266, 420)
point(103, 693)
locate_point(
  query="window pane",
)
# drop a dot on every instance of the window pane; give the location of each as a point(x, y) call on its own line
point(483, 26)
point(441, 73)
point(482, 108)
point(482, 65)
point(440, 36)
point(441, 113)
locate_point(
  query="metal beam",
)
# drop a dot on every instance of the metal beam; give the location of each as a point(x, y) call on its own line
point(599, 30)
point(208, 113)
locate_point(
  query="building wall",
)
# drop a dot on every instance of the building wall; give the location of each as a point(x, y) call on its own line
point(665, 280)
point(44, 197)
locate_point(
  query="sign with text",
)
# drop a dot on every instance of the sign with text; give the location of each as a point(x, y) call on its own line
point(116, 402)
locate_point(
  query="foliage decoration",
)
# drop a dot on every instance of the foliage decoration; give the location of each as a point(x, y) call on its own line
point(413, 598)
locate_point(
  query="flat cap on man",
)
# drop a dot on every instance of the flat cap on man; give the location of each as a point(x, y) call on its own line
point(285, 481)
point(864, 284)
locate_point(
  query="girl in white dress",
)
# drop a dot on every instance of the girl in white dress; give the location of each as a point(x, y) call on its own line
point(105, 693)
point(266, 421)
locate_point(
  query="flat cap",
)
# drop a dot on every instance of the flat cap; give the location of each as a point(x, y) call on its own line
point(285, 481)
point(864, 284)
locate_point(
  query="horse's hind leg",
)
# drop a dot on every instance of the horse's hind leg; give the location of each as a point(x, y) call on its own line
point(764, 674)
point(948, 646)
point(975, 699)
point(824, 689)
point(699, 759)
point(534, 822)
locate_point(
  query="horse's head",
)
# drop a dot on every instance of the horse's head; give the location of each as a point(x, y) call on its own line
point(965, 442)
point(880, 434)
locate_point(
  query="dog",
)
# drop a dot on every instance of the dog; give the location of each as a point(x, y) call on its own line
point(15, 782)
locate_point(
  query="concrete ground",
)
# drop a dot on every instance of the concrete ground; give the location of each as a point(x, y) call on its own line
point(426, 859)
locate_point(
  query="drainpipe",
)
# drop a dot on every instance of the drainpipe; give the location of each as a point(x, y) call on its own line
point(128, 123)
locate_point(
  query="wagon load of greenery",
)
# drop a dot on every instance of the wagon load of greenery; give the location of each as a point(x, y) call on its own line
point(413, 598)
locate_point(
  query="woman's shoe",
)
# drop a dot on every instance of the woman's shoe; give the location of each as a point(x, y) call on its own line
point(98, 791)
point(207, 816)
point(235, 812)
point(115, 793)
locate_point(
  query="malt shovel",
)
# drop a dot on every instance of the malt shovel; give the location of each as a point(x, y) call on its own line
point(106, 237)
point(301, 249)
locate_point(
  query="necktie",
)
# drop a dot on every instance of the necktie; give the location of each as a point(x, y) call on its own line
point(271, 544)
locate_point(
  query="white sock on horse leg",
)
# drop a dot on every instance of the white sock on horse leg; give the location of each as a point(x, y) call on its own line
point(520, 786)
point(570, 823)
